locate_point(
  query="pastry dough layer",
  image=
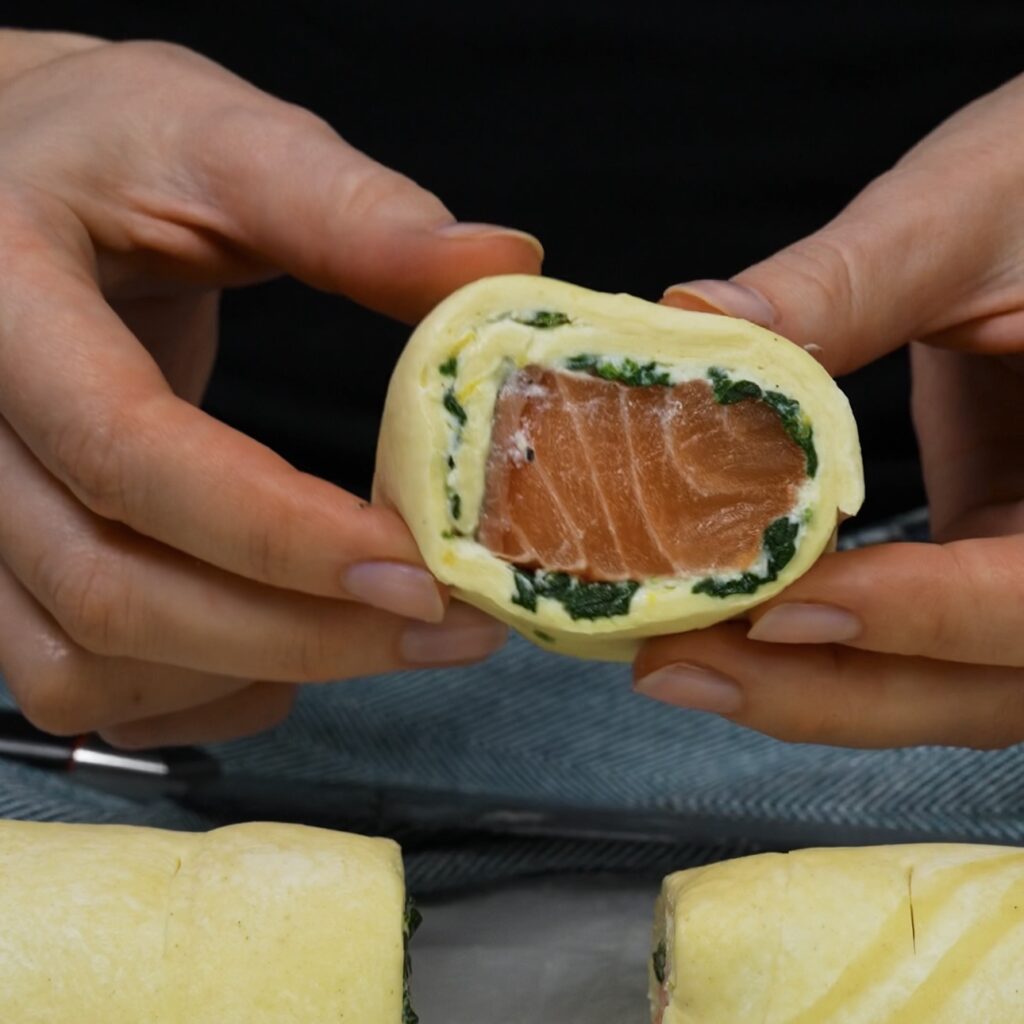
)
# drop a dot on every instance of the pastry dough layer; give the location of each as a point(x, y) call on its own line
point(918, 934)
point(250, 924)
point(468, 345)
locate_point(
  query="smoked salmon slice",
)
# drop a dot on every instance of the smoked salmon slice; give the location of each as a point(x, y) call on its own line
point(610, 482)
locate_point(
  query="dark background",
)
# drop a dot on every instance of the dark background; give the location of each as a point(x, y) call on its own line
point(643, 143)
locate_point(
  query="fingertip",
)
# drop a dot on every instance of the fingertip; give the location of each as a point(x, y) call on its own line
point(730, 298)
point(425, 267)
point(462, 253)
point(695, 645)
point(693, 686)
point(806, 622)
point(383, 535)
point(467, 231)
point(465, 635)
point(404, 590)
point(725, 298)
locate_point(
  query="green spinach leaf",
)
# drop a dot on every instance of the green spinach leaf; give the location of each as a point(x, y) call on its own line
point(658, 962)
point(628, 371)
point(452, 404)
point(526, 593)
point(455, 503)
point(582, 599)
point(411, 921)
point(545, 319)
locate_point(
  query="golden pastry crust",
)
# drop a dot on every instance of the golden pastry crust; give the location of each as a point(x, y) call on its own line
point(250, 924)
point(878, 935)
point(425, 457)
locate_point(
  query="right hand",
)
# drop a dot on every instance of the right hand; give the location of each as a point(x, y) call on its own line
point(898, 644)
point(163, 577)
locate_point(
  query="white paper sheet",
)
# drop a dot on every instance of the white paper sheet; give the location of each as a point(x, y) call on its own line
point(554, 951)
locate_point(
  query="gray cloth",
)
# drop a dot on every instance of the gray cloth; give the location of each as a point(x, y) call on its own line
point(529, 725)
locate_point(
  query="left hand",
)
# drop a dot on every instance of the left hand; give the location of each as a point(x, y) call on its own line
point(900, 643)
point(164, 578)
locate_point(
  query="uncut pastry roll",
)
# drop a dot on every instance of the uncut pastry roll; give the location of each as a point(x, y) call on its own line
point(250, 924)
point(594, 469)
point(919, 934)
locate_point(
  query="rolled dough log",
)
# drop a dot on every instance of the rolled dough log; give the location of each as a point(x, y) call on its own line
point(917, 934)
point(250, 924)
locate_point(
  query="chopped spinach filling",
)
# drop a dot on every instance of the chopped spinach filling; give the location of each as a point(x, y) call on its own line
point(582, 599)
point(545, 319)
point(454, 503)
point(779, 545)
point(450, 368)
point(628, 371)
point(728, 391)
point(658, 962)
point(452, 404)
point(412, 920)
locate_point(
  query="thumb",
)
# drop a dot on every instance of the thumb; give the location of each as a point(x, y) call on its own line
point(861, 286)
point(290, 191)
point(928, 250)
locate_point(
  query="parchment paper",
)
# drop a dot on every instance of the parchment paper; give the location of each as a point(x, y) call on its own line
point(569, 951)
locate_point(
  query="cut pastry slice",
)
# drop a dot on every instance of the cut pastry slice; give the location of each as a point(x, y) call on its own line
point(594, 469)
point(261, 923)
point(877, 935)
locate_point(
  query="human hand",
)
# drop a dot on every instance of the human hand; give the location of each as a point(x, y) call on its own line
point(900, 643)
point(163, 578)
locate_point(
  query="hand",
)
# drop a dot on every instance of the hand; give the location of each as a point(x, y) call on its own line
point(901, 643)
point(163, 577)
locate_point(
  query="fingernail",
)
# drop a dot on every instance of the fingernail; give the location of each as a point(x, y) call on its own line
point(690, 686)
point(471, 230)
point(806, 624)
point(711, 296)
point(465, 635)
point(394, 587)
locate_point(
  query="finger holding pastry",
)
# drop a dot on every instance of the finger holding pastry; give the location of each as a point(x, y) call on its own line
point(139, 180)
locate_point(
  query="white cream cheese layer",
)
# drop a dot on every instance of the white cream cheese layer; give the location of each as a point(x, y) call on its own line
point(436, 438)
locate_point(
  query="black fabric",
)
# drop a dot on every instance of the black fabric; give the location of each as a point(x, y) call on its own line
point(644, 143)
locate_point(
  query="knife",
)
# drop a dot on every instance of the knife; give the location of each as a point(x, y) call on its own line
point(418, 816)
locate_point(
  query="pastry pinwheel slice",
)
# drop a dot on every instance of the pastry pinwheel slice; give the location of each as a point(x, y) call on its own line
point(594, 469)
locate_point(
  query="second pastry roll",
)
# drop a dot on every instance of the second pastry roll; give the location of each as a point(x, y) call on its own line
point(917, 934)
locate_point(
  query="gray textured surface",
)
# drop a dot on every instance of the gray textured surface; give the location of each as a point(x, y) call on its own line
point(569, 951)
point(528, 725)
